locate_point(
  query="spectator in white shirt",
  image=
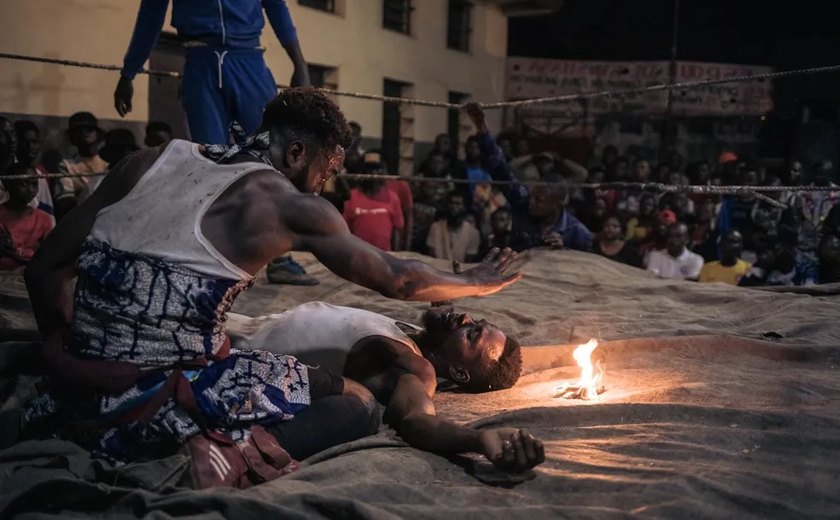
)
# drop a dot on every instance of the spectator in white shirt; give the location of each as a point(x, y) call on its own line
point(675, 261)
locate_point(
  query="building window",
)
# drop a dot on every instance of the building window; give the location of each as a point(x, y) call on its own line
point(323, 77)
point(396, 15)
point(397, 129)
point(321, 5)
point(455, 127)
point(459, 30)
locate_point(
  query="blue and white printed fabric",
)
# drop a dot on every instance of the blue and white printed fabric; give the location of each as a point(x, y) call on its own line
point(134, 308)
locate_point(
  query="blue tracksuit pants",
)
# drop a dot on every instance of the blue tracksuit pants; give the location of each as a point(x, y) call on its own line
point(221, 85)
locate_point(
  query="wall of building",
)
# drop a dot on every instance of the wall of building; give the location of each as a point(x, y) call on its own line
point(84, 30)
point(353, 41)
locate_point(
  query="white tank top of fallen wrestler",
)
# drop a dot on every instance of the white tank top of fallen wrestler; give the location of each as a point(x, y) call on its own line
point(152, 290)
point(316, 333)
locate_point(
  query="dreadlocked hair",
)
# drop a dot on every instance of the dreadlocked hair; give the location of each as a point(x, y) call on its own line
point(497, 375)
point(307, 114)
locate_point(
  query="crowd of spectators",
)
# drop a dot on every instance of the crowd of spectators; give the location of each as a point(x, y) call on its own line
point(735, 239)
point(30, 207)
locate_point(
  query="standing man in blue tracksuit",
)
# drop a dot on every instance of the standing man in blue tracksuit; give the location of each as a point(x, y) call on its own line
point(225, 76)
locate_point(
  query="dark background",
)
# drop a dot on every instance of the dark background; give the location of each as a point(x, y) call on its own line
point(779, 33)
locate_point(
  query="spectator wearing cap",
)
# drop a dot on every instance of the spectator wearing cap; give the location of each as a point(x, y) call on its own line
point(659, 236)
point(675, 262)
point(84, 133)
point(728, 162)
point(373, 212)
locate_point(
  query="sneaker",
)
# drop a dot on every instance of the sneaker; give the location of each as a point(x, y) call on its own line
point(287, 271)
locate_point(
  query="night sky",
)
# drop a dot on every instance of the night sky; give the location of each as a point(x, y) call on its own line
point(769, 32)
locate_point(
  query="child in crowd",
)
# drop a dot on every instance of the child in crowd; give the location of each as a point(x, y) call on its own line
point(22, 227)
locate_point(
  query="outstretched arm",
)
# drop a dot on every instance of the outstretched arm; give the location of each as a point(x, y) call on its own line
point(412, 413)
point(318, 227)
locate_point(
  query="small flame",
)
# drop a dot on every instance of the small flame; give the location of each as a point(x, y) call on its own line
point(591, 380)
point(583, 356)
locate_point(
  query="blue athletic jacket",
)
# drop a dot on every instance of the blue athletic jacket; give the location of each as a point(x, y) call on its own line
point(222, 23)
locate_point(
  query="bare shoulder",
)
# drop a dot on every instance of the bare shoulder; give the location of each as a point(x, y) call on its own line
point(125, 174)
point(309, 214)
point(382, 354)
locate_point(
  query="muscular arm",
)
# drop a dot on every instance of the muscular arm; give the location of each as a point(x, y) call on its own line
point(318, 227)
point(411, 412)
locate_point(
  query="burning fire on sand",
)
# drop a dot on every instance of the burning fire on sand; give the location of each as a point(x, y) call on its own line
point(591, 382)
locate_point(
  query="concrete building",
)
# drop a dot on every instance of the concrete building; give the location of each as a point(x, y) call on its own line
point(444, 50)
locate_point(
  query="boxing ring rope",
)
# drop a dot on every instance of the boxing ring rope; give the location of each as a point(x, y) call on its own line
point(757, 191)
point(500, 104)
point(658, 187)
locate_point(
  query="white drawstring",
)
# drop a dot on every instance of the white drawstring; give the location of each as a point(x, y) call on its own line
point(220, 58)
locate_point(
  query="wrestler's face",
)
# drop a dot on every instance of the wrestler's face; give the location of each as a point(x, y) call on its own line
point(459, 342)
point(309, 176)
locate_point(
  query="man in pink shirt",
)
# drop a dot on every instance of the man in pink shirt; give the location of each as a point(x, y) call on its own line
point(374, 212)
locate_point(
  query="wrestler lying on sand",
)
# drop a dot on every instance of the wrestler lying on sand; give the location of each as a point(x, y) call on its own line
point(162, 249)
point(400, 363)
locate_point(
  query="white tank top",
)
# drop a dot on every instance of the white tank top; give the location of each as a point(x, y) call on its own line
point(317, 333)
point(161, 215)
